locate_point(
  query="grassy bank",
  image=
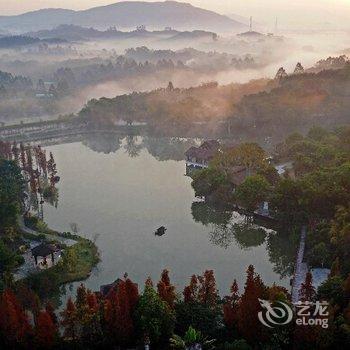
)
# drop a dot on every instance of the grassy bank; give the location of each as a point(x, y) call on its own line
point(76, 262)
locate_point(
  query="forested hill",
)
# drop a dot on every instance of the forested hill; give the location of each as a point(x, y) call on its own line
point(172, 109)
point(274, 107)
point(297, 103)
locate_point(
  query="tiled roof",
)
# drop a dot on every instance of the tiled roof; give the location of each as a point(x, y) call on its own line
point(204, 152)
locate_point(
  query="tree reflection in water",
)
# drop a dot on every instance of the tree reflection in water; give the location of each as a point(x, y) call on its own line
point(161, 148)
point(248, 236)
point(206, 214)
point(282, 251)
point(102, 142)
point(230, 228)
point(221, 236)
point(167, 148)
point(133, 146)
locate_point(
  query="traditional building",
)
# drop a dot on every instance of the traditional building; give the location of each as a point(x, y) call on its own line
point(44, 250)
point(199, 157)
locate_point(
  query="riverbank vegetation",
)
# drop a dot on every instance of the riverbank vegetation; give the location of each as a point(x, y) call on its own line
point(76, 264)
point(313, 191)
point(26, 175)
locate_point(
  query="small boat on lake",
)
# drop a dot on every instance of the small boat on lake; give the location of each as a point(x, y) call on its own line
point(160, 231)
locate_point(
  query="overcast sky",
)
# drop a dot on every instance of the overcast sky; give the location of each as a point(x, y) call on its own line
point(286, 10)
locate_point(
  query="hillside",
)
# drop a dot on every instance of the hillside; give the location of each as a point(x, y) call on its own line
point(156, 15)
point(297, 103)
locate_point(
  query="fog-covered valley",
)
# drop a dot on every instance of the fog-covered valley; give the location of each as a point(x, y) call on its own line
point(66, 65)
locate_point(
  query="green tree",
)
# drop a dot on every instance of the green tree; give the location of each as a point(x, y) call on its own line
point(340, 236)
point(206, 181)
point(332, 290)
point(11, 193)
point(286, 200)
point(253, 191)
point(191, 340)
point(154, 317)
point(204, 318)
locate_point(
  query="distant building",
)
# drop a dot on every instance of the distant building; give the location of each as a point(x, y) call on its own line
point(106, 291)
point(199, 157)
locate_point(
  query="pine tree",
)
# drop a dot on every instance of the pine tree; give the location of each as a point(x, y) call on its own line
point(51, 311)
point(299, 69)
point(166, 290)
point(91, 330)
point(119, 309)
point(14, 325)
point(307, 291)
point(69, 321)
point(231, 306)
point(191, 291)
point(133, 293)
point(124, 325)
point(45, 331)
point(249, 307)
point(281, 73)
point(208, 293)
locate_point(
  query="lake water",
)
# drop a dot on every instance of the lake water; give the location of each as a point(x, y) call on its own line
point(120, 191)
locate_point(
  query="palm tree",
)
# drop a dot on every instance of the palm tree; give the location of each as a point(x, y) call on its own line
point(192, 340)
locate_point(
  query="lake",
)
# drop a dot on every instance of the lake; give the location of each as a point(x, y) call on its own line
point(119, 191)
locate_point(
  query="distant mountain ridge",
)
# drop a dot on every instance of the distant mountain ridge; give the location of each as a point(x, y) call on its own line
point(127, 14)
point(78, 33)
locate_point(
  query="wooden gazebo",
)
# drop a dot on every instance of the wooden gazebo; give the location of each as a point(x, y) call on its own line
point(44, 250)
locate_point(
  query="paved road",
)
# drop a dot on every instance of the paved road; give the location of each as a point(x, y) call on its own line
point(68, 242)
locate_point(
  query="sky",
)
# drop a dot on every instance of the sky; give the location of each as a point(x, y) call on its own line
point(263, 10)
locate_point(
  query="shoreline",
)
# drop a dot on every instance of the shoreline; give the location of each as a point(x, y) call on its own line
point(79, 256)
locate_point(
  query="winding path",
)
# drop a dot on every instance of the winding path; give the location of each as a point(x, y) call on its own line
point(301, 268)
point(28, 267)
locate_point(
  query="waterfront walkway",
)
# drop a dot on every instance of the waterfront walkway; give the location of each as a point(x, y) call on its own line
point(300, 269)
point(29, 267)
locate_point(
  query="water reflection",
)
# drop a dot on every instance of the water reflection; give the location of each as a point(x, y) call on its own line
point(281, 249)
point(229, 228)
point(133, 146)
point(164, 148)
point(172, 148)
point(102, 142)
point(248, 236)
point(140, 186)
point(206, 214)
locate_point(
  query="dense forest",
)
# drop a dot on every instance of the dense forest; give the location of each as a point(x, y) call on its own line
point(273, 107)
point(297, 103)
point(173, 109)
